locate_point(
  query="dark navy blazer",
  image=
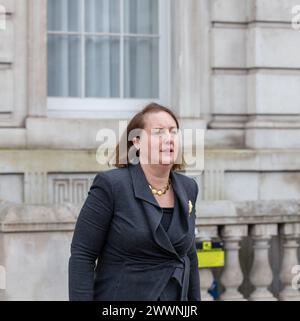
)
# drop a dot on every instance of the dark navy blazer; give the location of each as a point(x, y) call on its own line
point(121, 252)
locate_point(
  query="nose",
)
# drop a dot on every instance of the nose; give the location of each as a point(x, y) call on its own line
point(168, 137)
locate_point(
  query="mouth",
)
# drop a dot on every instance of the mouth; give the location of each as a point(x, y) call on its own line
point(168, 150)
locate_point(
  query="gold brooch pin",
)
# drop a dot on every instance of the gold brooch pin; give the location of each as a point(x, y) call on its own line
point(190, 207)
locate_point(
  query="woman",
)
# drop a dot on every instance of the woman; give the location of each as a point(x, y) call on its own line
point(138, 221)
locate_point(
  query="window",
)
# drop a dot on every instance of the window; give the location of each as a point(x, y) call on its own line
point(107, 55)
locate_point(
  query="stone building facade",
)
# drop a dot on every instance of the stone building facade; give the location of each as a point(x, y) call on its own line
point(233, 70)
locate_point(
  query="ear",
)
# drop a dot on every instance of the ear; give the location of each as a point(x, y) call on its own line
point(136, 142)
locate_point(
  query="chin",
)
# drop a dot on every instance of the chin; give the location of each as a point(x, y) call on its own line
point(167, 162)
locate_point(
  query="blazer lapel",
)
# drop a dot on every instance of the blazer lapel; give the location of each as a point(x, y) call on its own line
point(179, 225)
point(153, 211)
point(140, 184)
point(182, 196)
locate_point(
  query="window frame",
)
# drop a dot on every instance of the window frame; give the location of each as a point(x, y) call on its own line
point(71, 107)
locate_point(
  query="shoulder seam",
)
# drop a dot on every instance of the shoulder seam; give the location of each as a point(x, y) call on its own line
point(107, 180)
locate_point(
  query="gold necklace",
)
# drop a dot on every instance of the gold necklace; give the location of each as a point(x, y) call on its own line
point(160, 192)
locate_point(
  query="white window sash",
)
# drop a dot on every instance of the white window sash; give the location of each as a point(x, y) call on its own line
point(120, 107)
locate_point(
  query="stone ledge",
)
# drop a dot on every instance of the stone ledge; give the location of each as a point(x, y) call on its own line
point(51, 218)
point(247, 212)
point(244, 11)
point(84, 161)
point(70, 133)
point(12, 138)
point(37, 218)
point(279, 138)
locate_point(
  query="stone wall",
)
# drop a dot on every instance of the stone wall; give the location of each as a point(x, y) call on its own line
point(34, 250)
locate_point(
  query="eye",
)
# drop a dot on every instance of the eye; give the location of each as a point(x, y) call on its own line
point(157, 131)
point(174, 131)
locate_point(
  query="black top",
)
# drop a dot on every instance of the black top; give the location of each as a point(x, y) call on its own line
point(167, 217)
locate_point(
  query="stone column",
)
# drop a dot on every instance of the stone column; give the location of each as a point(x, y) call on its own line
point(190, 66)
point(186, 53)
point(290, 233)
point(13, 68)
point(232, 276)
point(37, 58)
point(229, 72)
point(275, 121)
point(206, 233)
point(252, 61)
point(261, 275)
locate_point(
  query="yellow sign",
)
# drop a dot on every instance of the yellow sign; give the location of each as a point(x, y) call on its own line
point(210, 256)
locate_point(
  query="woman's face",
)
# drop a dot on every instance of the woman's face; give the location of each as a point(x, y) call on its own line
point(159, 142)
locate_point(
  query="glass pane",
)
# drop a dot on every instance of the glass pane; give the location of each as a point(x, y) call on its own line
point(63, 15)
point(64, 72)
point(102, 66)
point(102, 15)
point(141, 61)
point(141, 16)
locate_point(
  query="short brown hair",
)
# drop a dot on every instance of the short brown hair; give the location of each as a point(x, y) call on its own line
point(138, 122)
